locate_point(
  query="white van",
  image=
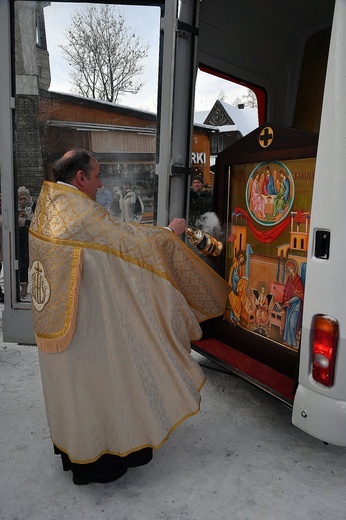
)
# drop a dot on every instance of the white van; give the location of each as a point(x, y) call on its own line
point(295, 53)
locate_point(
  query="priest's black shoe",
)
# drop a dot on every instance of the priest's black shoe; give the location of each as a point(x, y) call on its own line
point(104, 470)
point(138, 458)
point(66, 464)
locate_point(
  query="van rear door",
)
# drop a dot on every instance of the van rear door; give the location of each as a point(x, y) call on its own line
point(320, 401)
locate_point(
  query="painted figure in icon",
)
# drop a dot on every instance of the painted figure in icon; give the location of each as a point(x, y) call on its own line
point(239, 284)
point(262, 307)
point(281, 199)
point(269, 183)
point(293, 304)
point(256, 200)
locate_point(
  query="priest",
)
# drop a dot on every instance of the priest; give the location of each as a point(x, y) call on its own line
point(115, 307)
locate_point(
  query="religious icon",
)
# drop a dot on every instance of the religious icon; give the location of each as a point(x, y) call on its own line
point(270, 193)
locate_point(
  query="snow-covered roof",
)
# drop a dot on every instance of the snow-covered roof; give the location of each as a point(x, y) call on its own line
point(231, 119)
point(245, 119)
point(200, 117)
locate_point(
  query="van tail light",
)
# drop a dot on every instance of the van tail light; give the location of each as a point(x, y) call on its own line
point(325, 335)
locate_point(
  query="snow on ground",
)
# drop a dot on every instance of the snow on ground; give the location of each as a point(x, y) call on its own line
point(240, 458)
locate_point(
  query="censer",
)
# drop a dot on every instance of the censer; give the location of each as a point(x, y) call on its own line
point(204, 242)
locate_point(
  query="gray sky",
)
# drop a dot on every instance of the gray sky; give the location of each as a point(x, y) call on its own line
point(145, 21)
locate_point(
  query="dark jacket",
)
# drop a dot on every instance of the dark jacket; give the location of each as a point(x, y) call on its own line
point(200, 203)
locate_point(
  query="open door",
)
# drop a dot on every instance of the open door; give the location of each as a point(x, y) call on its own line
point(42, 116)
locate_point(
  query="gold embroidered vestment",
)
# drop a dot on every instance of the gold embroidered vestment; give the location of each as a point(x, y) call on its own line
point(115, 306)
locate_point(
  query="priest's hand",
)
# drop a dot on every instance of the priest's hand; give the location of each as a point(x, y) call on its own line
point(178, 225)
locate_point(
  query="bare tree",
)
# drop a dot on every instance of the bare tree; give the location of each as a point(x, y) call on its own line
point(250, 99)
point(237, 101)
point(222, 95)
point(104, 53)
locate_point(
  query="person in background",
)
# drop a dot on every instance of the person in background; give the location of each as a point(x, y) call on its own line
point(104, 197)
point(25, 214)
point(201, 199)
point(128, 205)
point(115, 307)
point(115, 209)
point(133, 206)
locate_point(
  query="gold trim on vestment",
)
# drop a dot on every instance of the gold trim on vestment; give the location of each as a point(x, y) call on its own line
point(61, 313)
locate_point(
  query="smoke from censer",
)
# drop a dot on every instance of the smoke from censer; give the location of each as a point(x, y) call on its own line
point(210, 223)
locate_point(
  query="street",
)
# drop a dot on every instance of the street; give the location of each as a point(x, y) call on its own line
point(240, 458)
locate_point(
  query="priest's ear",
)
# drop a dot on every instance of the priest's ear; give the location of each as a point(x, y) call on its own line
point(80, 178)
